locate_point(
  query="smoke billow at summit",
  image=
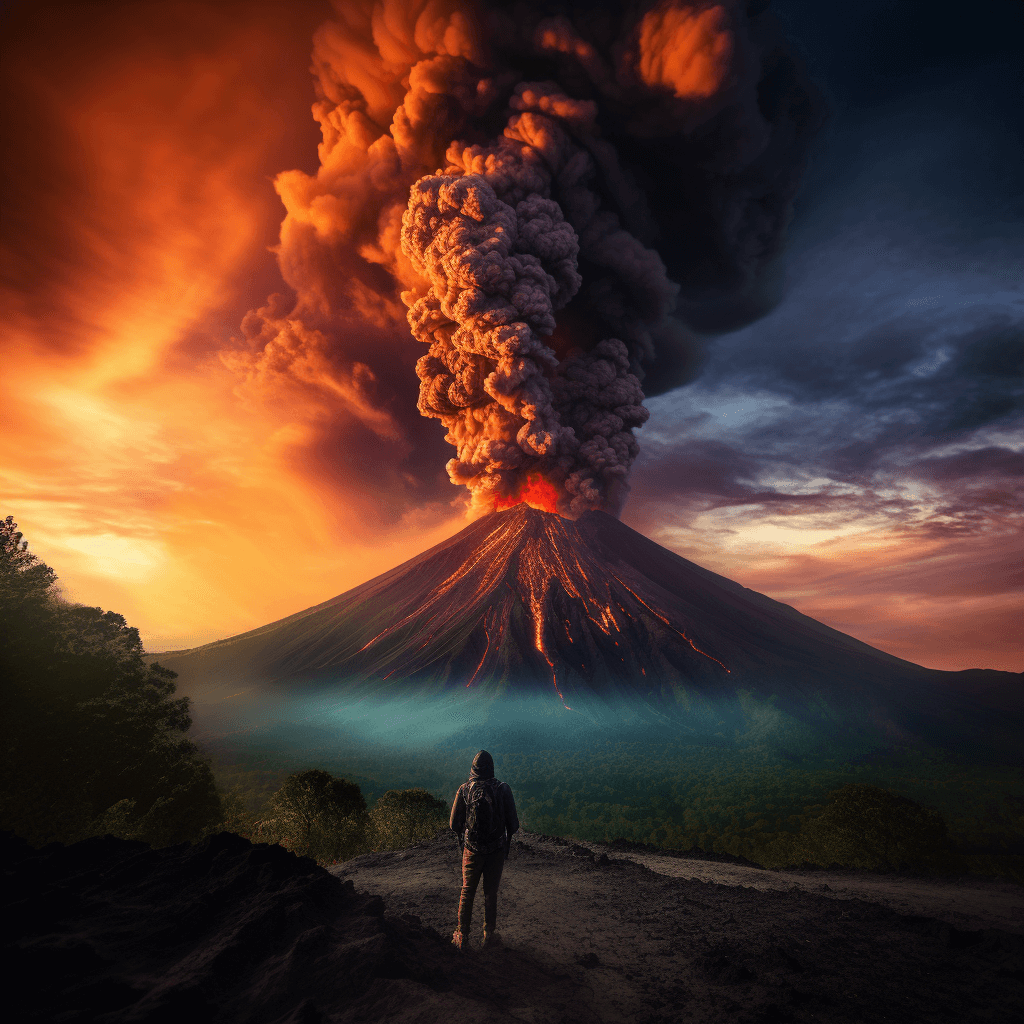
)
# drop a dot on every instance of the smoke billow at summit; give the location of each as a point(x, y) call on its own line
point(533, 205)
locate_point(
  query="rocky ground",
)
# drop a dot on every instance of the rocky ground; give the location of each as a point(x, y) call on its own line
point(225, 931)
point(616, 934)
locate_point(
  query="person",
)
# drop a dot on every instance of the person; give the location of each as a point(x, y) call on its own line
point(484, 819)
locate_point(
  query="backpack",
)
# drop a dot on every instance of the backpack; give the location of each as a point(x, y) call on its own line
point(485, 823)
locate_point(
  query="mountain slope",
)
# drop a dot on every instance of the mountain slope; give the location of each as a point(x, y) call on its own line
point(585, 611)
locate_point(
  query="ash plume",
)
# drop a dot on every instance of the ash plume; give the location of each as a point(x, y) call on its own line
point(551, 194)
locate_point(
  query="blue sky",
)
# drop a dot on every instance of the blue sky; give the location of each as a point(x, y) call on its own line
point(878, 407)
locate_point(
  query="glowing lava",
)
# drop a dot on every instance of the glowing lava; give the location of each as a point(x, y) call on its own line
point(536, 491)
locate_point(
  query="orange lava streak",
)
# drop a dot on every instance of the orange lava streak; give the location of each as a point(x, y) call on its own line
point(487, 647)
point(374, 640)
point(537, 590)
point(535, 492)
point(670, 626)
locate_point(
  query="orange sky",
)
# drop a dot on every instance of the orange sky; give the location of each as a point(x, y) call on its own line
point(158, 481)
point(134, 461)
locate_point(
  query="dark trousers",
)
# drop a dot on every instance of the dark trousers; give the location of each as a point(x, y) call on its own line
point(475, 865)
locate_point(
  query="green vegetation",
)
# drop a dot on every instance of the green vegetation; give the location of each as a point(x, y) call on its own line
point(314, 814)
point(402, 818)
point(92, 739)
point(868, 827)
point(934, 815)
point(747, 804)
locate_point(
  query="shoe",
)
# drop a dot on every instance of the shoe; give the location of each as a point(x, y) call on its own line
point(459, 940)
point(491, 939)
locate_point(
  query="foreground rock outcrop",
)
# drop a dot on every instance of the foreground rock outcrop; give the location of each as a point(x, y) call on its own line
point(113, 931)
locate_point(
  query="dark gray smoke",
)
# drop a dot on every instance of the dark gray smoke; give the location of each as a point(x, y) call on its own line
point(556, 192)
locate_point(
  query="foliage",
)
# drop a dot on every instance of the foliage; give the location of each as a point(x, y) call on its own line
point(242, 810)
point(679, 795)
point(866, 826)
point(316, 815)
point(402, 818)
point(92, 739)
point(23, 578)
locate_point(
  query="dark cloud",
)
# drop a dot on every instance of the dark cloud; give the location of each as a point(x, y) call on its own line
point(661, 142)
point(860, 449)
point(895, 365)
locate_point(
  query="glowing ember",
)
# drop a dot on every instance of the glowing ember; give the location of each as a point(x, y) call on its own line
point(535, 492)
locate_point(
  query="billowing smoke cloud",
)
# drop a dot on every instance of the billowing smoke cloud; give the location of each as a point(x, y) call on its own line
point(501, 259)
point(556, 194)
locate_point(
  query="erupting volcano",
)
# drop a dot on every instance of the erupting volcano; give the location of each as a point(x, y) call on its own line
point(591, 615)
point(553, 198)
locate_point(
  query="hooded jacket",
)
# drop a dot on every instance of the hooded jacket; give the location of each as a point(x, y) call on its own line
point(483, 770)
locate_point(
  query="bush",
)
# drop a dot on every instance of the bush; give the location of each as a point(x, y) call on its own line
point(404, 817)
point(316, 815)
point(242, 811)
point(868, 827)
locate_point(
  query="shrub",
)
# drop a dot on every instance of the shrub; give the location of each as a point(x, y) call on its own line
point(866, 826)
point(316, 815)
point(404, 817)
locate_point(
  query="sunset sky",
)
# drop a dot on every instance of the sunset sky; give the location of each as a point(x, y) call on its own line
point(856, 451)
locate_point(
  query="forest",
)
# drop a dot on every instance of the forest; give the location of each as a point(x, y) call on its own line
point(952, 818)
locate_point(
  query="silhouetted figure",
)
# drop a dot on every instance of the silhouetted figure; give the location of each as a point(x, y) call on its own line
point(484, 818)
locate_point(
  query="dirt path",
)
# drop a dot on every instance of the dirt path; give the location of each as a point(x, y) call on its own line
point(965, 902)
point(609, 939)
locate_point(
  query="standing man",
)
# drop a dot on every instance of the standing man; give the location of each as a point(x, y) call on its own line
point(484, 818)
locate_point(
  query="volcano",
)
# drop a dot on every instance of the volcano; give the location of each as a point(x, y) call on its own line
point(595, 616)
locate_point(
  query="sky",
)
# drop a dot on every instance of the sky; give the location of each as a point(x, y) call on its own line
point(182, 452)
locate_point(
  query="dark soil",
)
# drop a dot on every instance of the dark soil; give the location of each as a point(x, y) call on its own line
point(225, 931)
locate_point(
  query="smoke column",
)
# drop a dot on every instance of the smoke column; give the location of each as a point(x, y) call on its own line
point(550, 196)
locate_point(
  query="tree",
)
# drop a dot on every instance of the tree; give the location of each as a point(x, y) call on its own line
point(866, 826)
point(86, 725)
point(26, 598)
point(404, 817)
point(316, 815)
point(22, 576)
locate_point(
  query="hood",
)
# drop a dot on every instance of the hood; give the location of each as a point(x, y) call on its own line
point(483, 766)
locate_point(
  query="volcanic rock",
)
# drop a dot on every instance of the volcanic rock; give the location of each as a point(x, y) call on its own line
point(113, 931)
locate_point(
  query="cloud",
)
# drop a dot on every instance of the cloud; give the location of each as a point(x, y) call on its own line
point(661, 142)
point(879, 410)
point(194, 499)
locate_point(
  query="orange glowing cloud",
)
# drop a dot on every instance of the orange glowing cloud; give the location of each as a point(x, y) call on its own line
point(195, 495)
point(686, 49)
point(945, 602)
